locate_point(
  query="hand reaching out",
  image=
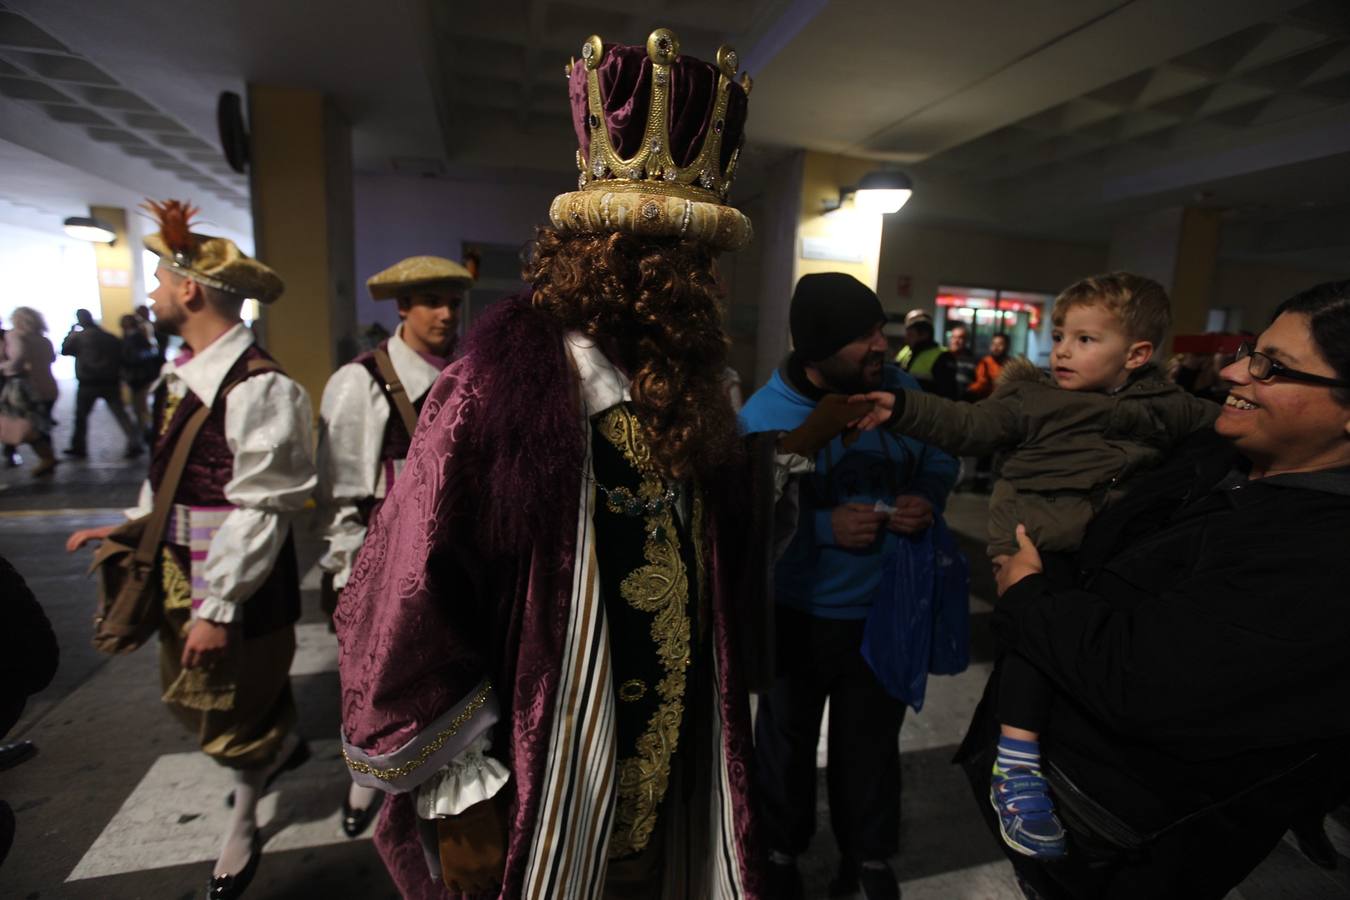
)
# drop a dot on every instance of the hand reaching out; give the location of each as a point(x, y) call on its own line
point(84, 536)
point(883, 404)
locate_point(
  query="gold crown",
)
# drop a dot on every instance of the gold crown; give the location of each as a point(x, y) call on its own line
point(652, 170)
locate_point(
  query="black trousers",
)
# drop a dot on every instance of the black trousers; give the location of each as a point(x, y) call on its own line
point(1024, 695)
point(86, 395)
point(819, 659)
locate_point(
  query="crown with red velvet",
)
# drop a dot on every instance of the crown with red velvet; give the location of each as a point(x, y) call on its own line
point(660, 137)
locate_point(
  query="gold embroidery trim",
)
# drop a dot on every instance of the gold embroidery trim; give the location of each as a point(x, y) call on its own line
point(174, 582)
point(171, 401)
point(632, 690)
point(660, 587)
point(412, 765)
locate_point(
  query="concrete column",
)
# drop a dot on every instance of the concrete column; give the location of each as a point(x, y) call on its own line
point(303, 227)
point(1177, 247)
point(119, 265)
point(797, 238)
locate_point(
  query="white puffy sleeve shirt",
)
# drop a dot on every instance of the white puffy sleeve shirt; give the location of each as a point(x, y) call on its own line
point(352, 418)
point(268, 426)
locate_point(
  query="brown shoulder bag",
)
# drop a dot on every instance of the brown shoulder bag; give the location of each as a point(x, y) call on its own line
point(129, 604)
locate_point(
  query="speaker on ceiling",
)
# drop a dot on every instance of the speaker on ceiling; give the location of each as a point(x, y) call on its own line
point(233, 134)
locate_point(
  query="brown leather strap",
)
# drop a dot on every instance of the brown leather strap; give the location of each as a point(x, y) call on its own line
point(173, 473)
point(396, 390)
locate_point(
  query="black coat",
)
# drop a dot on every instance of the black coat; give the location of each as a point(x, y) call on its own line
point(1201, 651)
point(28, 649)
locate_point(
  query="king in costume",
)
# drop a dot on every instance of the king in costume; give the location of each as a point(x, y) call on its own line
point(540, 652)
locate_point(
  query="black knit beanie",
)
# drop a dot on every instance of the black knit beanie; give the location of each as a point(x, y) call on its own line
point(830, 310)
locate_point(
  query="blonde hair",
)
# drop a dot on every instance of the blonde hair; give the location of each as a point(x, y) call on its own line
point(28, 320)
point(1140, 303)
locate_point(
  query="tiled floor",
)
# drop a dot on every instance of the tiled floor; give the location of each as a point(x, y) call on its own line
point(117, 804)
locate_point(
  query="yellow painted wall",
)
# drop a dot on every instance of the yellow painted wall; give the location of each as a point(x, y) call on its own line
point(118, 287)
point(823, 174)
point(1197, 259)
point(302, 227)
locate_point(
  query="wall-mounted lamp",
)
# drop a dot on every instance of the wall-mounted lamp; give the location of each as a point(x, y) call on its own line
point(84, 228)
point(883, 191)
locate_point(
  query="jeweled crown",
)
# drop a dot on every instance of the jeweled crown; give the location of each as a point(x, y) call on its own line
point(704, 105)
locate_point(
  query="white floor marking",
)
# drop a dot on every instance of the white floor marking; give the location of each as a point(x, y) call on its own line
point(177, 814)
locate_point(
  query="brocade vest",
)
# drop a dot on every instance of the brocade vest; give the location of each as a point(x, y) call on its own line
point(651, 571)
point(210, 467)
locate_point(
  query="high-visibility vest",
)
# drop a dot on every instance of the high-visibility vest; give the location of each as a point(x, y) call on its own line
point(920, 366)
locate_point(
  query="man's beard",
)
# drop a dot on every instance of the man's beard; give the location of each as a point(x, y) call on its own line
point(847, 378)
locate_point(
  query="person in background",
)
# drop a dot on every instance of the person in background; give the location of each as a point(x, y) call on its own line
point(98, 365)
point(11, 451)
point(30, 389)
point(847, 508)
point(926, 360)
point(989, 368)
point(366, 421)
point(140, 368)
point(958, 344)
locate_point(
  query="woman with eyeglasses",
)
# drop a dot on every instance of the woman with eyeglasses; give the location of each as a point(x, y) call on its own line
point(1203, 700)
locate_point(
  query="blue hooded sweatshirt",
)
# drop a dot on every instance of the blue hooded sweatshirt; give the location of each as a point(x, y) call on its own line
point(815, 575)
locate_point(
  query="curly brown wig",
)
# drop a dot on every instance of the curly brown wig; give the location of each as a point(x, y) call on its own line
point(653, 305)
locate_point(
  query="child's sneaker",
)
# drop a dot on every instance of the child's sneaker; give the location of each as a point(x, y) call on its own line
point(1021, 797)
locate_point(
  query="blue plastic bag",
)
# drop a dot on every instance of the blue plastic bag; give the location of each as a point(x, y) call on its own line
point(920, 621)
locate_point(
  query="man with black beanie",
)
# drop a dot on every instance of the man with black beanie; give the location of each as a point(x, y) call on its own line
point(850, 498)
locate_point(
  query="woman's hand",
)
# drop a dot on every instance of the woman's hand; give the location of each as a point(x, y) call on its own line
point(1010, 569)
point(80, 538)
point(883, 403)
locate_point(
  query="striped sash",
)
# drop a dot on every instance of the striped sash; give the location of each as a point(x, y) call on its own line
point(193, 527)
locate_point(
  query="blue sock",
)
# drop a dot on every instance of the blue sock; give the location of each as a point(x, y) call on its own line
point(1014, 753)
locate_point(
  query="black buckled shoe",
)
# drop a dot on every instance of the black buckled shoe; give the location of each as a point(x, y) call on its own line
point(356, 821)
point(227, 887)
point(13, 754)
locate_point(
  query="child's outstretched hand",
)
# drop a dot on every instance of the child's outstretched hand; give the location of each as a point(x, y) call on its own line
point(883, 404)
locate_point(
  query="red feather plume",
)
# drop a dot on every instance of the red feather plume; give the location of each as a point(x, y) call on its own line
point(175, 223)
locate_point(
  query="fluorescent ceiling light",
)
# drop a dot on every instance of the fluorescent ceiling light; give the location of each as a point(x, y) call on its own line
point(84, 228)
point(883, 191)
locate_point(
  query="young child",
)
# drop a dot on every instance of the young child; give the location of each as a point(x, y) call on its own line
point(1070, 442)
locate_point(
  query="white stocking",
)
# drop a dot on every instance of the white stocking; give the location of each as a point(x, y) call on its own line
point(359, 798)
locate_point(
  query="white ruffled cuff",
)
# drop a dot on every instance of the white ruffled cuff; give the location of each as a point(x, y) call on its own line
point(221, 611)
point(785, 466)
point(470, 778)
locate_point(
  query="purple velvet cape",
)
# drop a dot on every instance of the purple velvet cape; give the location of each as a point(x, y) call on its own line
point(465, 579)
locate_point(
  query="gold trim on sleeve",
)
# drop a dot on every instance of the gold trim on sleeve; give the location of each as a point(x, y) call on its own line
point(396, 772)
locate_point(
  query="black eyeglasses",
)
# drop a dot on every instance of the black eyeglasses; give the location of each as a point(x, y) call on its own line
point(1263, 368)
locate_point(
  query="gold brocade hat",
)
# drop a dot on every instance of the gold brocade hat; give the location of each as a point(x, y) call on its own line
point(660, 137)
point(416, 274)
point(213, 261)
